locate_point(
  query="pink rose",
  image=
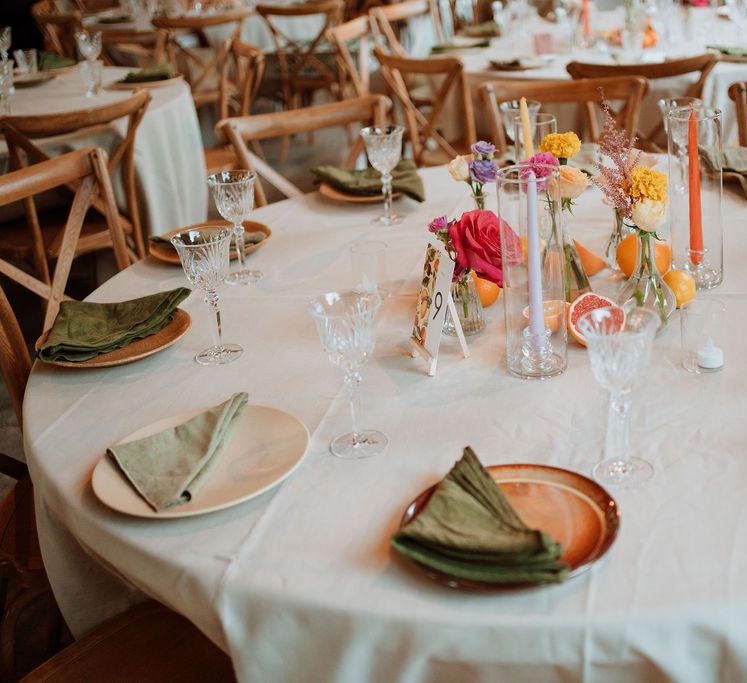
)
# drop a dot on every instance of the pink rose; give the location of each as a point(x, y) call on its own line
point(476, 238)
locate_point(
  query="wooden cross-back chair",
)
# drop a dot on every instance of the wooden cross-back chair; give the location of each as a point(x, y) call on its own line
point(20, 133)
point(57, 28)
point(202, 71)
point(654, 141)
point(423, 124)
point(240, 130)
point(738, 93)
point(589, 93)
point(387, 22)
point(353, 77)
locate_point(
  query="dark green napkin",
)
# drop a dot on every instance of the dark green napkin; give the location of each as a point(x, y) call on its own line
point(730, 51)
point(487, 29)
point(733, 163)
point(169, 468)
point(49, 60)
point(468, 529)
point(161, 72)
point(405, 179)
point(445, 47)
point(83, 330)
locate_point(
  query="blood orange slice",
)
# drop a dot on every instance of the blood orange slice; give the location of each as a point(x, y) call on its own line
point(585, 303)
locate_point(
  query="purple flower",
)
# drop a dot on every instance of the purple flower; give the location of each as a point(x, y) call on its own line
point(438, 224)
point(482, 171)
point(483, 149)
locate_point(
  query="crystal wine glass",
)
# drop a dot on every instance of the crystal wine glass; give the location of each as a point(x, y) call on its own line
point(384, 149)
point(89, 44)
point(619, 361)
point(27, 61)
point(6, 85)
point(204, 256)
point(511, 113)
point(233, 194)
point(5, 42)
point(667, 104)
point(345, 322)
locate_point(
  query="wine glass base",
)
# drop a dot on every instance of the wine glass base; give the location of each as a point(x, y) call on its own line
point(219, 355)
point(394, 219)
point(624, 474)
point(370, 442)
point(243, 277)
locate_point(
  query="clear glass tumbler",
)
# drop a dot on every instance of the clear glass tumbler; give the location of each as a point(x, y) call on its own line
point(511, 112)
point(541, 125)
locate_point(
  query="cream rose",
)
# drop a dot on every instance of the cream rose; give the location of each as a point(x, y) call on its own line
point(459, 168)
point(573, 182)
point(649, 214)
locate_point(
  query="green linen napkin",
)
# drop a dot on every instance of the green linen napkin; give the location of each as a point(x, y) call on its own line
point(468, 529)
point(445, 47)
point(488, 29)
point(733, 163)
point(169, 468)
point(405, 179)
point(50, 60)
point(161, 72)
point(254, 237)
point(83, 330)
point(730, 51)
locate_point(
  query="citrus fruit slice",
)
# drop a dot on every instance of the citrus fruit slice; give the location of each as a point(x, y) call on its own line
point(682, 284)
point(554, 313)
point(585, 303)
point(627, 253)
point(487, 291)
point(589, 260)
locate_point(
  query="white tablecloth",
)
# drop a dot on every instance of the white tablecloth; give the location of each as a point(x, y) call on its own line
point(299, 584)
point(169, 160)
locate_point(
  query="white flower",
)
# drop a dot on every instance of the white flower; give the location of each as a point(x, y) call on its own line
point(649, 214)
point(459, 168)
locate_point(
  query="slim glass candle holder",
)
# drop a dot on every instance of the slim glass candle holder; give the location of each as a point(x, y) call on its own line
point(533, 270)
point(696, 188)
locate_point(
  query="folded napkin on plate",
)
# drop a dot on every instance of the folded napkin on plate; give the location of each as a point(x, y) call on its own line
point(468, 529)
point(729, 50)
point(169, 468)
point(486, 28)
point(161, 72)
point(83, 329)
point(254, 237)
point(50, 60)
point(733, 163)
point(405, 179)
point(458, 45)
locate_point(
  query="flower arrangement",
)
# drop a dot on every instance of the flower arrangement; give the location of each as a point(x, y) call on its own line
point(573, 181)
point(477, 169)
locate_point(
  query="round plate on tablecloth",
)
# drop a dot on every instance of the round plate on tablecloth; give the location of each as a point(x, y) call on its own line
point(140, 348)
point(165, 251)
point(30, 80)
point(326, 190)
point(518, 64)
point(574, 510)
point(267, 446)
point(121, 85)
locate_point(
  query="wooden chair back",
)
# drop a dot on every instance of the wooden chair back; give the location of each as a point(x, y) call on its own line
point(87, 170)
point(702, 64)
point(423, 127)
point(57, 28)
point(20, 131)
point(589, 93)
point(15, 362)
point(241, 130)
point(240, 79)
point(738, 93)
point(388, 21)
point(202, 72)
point(353, 76)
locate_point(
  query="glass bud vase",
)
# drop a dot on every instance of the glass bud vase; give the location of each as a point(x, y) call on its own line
point(646, 287)
point(619, 232)
point(468, 306)
point(480, 200)
point(576, 282)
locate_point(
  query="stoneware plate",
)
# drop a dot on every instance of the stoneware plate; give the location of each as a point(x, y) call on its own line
point(333, 193)
point(30, 80)
point(574, 510)
point(518, 64)
point(167, 253)
point(267, 446)
point(140, 348)
point(120, 85)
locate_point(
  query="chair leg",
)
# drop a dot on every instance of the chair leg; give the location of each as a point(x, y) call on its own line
point(8, 629)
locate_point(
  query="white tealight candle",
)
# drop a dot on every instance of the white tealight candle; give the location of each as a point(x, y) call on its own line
point(710, 356)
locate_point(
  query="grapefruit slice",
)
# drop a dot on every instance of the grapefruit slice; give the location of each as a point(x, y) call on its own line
point(589, 260)
point(585, 303)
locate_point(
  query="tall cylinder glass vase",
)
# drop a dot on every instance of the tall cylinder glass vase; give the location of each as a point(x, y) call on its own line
point(468, 307)
point(533, 271)
point(696, 187)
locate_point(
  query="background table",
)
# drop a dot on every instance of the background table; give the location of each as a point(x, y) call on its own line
point(299, 584)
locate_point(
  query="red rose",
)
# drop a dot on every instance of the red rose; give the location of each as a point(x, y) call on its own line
point(476, 237)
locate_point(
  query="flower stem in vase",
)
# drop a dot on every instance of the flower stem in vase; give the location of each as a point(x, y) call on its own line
point(619, 232)
point(479, 200)
point(576, 280)
point(468, 306)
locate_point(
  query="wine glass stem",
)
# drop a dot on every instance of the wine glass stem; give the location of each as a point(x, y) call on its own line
point(386, 187)
point(617, 446)
point(238, 233)
point(211, 298)
point(352, 382)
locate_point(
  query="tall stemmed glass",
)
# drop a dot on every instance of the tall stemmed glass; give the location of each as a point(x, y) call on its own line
point(345, 322)
point(5, 42)
point(233, 194)
point(89, 44)
point(619, 361)
point(384, 148)
point(204, 257)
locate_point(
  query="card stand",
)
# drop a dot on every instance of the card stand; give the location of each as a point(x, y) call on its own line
point(432, 361)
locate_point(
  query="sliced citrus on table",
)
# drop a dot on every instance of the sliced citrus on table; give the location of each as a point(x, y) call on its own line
point(627, 253)
point(589, 260)
point(588, 302)
point(682, 284)
point(487, 291)
point(554, 313)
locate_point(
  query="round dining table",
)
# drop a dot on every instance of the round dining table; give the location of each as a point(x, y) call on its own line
point(168, 146)
point(300, 583)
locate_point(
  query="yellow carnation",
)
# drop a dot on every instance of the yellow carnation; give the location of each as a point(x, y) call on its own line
point(561, 145)
point(645, 183)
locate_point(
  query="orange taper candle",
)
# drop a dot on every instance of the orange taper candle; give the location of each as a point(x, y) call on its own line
point(585, 16)
point(696, 217)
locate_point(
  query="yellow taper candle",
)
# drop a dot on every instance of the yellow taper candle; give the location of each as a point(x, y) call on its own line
point(526, 128)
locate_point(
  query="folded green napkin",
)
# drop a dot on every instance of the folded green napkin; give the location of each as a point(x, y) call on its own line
point(254, 237)
point(733, 163)
point(486, 28)
point(731, 51)
point(468, 529)
point(444, 47)
point(405, 179)
point(83, 329)
point(49, 60)
point(161, 72)
point(169, 468)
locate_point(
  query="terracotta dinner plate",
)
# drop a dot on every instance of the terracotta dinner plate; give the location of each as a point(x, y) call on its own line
point(165, 251)
point(574, 510)
point(333, 193)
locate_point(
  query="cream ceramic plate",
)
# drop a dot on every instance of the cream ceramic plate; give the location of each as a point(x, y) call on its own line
point(267, 446)
point(30, 80)
point(330, 192)
point(119, 85)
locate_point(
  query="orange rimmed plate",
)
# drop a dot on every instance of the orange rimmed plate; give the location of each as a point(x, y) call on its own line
point(330, 192)
point(574, 510)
